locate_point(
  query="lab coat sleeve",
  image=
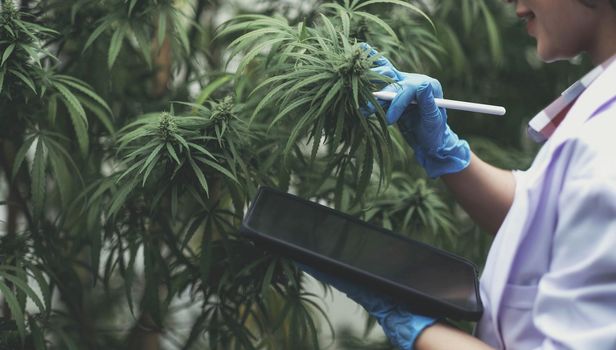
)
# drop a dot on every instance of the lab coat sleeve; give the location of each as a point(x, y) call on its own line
point(575, 306)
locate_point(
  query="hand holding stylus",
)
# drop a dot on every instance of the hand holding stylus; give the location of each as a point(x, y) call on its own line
point(421, 121)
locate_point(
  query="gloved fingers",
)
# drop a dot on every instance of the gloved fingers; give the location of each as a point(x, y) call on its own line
point(401, 102)
point(398, 327)
point(418, 79)
point(403, 328)
point(437, 89)
point(395, 87)
point(380, 61)
point(385, 71)
point(429, 111)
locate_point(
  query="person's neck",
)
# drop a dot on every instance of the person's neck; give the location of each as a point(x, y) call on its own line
point(604, 46)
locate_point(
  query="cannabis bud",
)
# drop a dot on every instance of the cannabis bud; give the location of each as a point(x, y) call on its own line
point(167, 126)
point(9, 11)
point(356, 63)
point(9, 17)
point(223, 110)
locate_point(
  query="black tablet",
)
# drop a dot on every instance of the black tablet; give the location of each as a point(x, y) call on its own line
point(423, 278)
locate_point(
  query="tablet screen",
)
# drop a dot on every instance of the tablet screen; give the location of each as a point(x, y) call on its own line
point(323, 231)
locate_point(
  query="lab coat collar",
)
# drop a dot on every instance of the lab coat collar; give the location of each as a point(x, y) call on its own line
point(601, 91)
point(543, 125)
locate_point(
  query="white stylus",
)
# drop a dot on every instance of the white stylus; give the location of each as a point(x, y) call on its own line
point(451, 104)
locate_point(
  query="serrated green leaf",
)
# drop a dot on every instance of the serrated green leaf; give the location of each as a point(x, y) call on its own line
point(7, 53)
point(271, 96)
point(131, 6)
point(200, 149)
point(331, 30)
point(84, 88)
point(211, 87)
point(379, 22)
point(338, 130)
point(39, 164)
point(98, 112)
point(365, 171)
point(199, 174)
point(2, 71)
point(16, 311)
point(24, 79)
point(62, 176)
point(316, 138)
point(130, 169)
point(162, 28)
point(179, 33)
point(71, 102)
point(493, 34)
point(69, 164)
point(151, 157)
point(81, 129)
point(355, 90)
point(117, 39)
point(21, 154)
point(42, 283)
point(411, 7)
point(52, 109)
point(144, 42)
point(255, 51)
point(333, 92)
point(149, 170)
point(297, 131)
point(291, 107)
point(119, 197)
point(22, 284)
point(220, 169)
point(467, 15)
point(172, 152)
point(346, 22)
point(95, 34)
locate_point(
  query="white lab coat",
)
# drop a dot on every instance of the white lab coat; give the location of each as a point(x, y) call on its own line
point(550, 276)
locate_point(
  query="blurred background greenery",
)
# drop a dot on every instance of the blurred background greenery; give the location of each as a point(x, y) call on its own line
point(127, 161)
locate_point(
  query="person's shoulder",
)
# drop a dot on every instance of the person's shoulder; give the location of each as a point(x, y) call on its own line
point(591, 150)
point(599, 131)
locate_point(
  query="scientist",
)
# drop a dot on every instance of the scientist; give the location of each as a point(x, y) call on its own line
point(550, 276)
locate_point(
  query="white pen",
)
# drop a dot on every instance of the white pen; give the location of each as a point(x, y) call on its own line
point(451, 104)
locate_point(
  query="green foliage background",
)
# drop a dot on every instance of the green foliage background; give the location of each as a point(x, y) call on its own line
point(133, 134)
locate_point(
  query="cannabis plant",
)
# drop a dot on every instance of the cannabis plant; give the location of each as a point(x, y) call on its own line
point(320, 80)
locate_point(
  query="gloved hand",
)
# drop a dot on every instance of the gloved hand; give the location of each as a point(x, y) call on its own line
point(401, 327)
point(424, 126)
point(382, 65)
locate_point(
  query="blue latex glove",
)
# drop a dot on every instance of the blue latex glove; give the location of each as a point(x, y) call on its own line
point(401, 327)
point(424, 126)
point(382, 65)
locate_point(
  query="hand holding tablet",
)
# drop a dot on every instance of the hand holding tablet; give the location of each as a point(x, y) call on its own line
point(414, 275)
